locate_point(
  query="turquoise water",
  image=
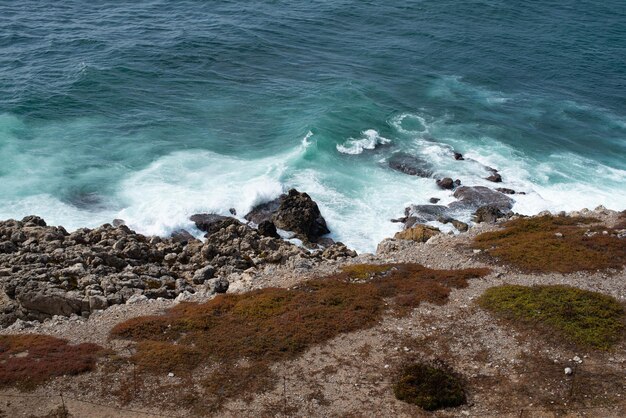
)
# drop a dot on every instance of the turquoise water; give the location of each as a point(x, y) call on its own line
point(156, 110)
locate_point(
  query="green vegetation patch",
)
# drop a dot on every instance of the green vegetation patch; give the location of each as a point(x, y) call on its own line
point(243, 334)
point(582, 317)
point(555, 244)
point(430, 387)
point(29, 360)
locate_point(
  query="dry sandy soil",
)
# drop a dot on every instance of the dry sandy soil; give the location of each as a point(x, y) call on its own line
point(508, 371)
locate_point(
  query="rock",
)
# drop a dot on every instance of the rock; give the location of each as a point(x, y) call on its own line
point(338, 250)
point(327, 242)
point(232, 211)
point(458, 156)
point(418, 233)
point(295, 212)
point(219, 285)
point(7, 247)
point(425, 213)
point(568, 371)
point(97, 303)
point(489, 214)
point(182, 236)
point(49, 302)
point(434, 200)
point(268, 229)
point(210, 223)
point(505, 190)
point(411, 165)
point(471, 198)
point(136, 299)
point(204, 274)
point(118, 222)
point(495, 177)
point(33, 221)
point(460, 226)
point(300, 214)
point(446, 183)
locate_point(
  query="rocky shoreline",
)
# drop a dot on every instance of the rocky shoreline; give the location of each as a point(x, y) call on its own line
point(45, 271)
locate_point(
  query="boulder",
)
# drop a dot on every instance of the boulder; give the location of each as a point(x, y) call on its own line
point(295, 212)
point(182, 236)
point(495, 177)
point(458, 156)
point(418, 233)
point(219, 285)
point(411, 165)
point(471, 198)
point(445, 183)
point(210, 223)
point(434, 200)
point(426, 213)
point(489, 214)
point(505, 190)
point(268, 229)
point(204, 274)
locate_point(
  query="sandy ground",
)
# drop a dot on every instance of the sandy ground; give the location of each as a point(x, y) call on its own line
point(509, 372)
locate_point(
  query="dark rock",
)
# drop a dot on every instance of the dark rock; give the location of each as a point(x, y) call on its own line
point(434, 200)
point(446, 183)
point(182, 236)
point(471, 198)
point(489, 214)
point(33, 221)
point(268, 229)
point(118, 222)
point(459, 225)
point(219, 285)
point(399, 220)
point(411, 165)
point(300, 214)
point(505, 190)
point(211, 223)
point(264, 211)
point(233, 211)
point(7, 247)
point(203, 274)
point(495, 177)
point(458, 156)
point(326, 242)
point(427, 213)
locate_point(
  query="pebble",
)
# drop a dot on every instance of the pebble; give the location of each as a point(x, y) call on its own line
point(170, 374)
point(568, 371)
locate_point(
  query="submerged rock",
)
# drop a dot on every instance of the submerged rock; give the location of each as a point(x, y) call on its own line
point(411, 165)
point(471, 198)
point(446, 183)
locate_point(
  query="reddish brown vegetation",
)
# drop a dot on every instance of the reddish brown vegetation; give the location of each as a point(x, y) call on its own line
point(272, 324)
point(555, 244)
point(29, 360)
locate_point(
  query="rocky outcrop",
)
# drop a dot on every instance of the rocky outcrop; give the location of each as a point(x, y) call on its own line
point(411, 165)
point(295, 212)
point(494, 176)
point(46, 271)
point(471, 198)
point(419, 233)
point(447, 183)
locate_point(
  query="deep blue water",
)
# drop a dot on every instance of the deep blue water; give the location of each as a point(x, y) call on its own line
point(154, 110)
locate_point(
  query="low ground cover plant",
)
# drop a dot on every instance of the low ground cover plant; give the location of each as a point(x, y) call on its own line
point(555, 244)
point(29, 360)
point(429, 386)
point(237, 333)
point(585, 318)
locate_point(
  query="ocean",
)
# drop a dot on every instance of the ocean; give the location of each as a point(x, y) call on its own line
point(151, 111)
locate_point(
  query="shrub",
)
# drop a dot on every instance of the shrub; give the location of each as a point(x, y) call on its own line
point(582, 317)
point(273, 324)
point(554, 244)
point(29, 360)
point(430, 387)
